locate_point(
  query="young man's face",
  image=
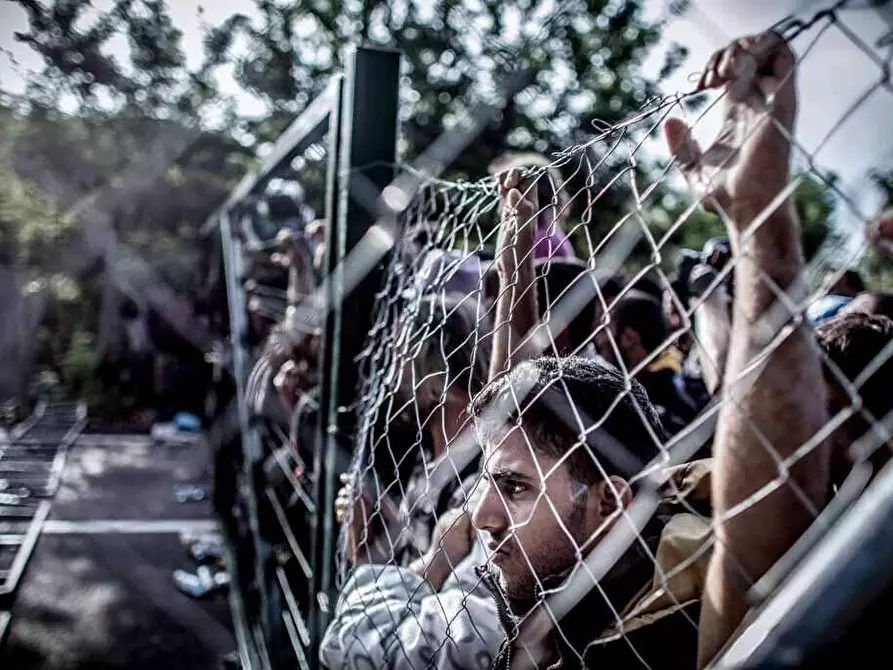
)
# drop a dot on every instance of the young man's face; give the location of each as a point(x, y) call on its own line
point(534, 513)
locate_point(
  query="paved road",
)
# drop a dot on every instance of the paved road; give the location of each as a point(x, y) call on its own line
point(98, 592)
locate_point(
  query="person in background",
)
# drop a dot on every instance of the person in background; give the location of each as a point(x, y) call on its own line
point(544, 304)
point(879, 233)
point(434, 613)
point(443, 366)
point(674, 314)
point(295, 256)
point(871, 303)
point(448, 271)
point(851, 342)
point(556, 280)
point(649, 286)
point(316, 238)
point(413, 599)
point(638, 329)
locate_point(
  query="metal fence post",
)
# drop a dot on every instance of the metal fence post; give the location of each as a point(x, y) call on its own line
point(366, 161)
point(251, 447)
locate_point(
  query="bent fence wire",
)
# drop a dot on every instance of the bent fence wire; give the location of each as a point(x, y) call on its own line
point(420, 450)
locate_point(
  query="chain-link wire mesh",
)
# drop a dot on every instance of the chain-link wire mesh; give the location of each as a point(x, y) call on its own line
point(565, 425)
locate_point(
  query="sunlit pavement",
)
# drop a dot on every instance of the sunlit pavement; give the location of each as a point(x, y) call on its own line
point(98, 591)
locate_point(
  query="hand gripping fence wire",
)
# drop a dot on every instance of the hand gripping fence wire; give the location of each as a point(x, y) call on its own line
point(420, 454)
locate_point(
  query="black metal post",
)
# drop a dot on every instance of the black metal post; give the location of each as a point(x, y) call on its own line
point(251, 448)
point(365, 165)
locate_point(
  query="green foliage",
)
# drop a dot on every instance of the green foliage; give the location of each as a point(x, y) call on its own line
point(813, 200)
point(815, 205)
point(132, 152)
point(877, 271)
point(73, 37)
point(556, 71)
point(80, 364)
point(552, 72)
point(126, 112)
point(31, 225)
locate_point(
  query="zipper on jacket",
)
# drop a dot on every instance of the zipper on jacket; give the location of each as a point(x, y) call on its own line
point(506, 618)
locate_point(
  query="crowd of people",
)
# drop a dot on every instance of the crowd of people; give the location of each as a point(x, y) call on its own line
point(539, 404)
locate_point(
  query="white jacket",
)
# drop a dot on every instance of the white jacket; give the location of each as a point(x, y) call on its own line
point(389, 617)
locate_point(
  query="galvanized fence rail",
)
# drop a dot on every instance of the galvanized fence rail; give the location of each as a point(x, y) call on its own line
point(280, 527)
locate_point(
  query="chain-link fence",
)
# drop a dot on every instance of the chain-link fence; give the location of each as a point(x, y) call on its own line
point(263, 486)
point(579, 442)
point(294, 333)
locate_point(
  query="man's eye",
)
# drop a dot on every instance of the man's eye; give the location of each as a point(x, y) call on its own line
point(512, 489)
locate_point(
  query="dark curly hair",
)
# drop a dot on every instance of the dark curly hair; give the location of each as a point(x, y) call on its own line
point(852, 341)
point(564, 403)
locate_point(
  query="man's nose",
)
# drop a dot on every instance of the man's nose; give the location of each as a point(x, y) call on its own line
point(490, 514)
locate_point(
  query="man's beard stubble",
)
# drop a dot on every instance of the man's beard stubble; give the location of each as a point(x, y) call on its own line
point(552, 560)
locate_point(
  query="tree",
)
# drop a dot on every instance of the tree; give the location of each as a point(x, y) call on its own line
point(813, 200)
point(73, 39)
point(132, 158)
point(31, 223)
point(580, 63)
point(551, 73)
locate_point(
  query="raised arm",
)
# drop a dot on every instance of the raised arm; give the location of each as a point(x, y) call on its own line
point(780, 401)
point(516, 307)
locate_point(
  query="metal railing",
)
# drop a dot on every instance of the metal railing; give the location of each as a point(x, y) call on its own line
point(31, 463)
point(282, 562)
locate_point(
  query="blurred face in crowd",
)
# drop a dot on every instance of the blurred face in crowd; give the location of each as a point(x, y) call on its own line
point(603, 331)
point(602, 341)
point(847, 284)
point(316, 239)
point(536, 515)
point(675, 322)
point(629, 346)
point(442, 414)
point(849, 433)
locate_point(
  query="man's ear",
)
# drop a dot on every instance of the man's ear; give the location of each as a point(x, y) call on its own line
point(613, 495)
